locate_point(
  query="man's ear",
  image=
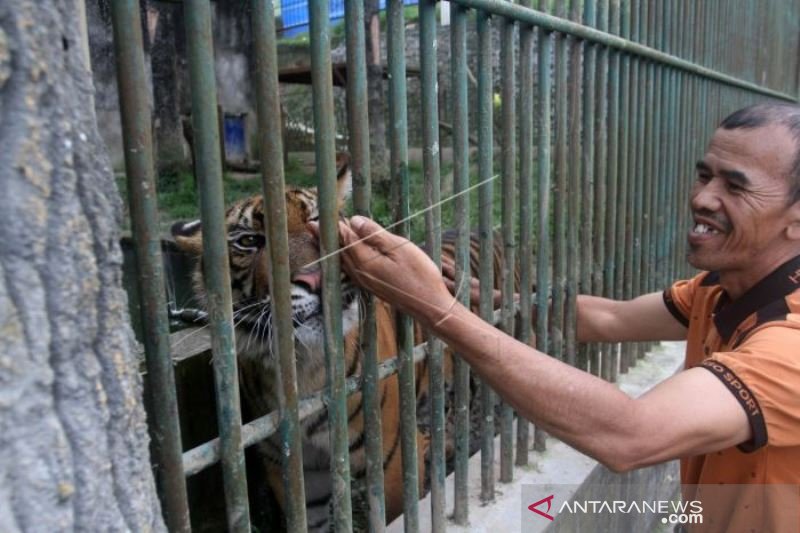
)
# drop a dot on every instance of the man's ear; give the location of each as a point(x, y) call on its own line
point(188, 236)
point(344, 179)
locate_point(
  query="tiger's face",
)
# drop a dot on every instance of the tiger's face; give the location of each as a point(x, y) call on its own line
point(249, 269)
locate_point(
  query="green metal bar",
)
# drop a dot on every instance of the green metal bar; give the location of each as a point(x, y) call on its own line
point(358, 128)
point(601, 136)
point(609, 366)
point(458, 51)
point(509, 162)
point(559, 197)
point(272, 176)
point(325, 155)
point(136, 133)
point(433, 223)
point(552, 23)
point(525, 213)
point(638, 173)
point(587, 231)
point(215, 258)
point(576, 50)
point(624, 154)
point(398, 139)
point(543, 211)
point(485, 103)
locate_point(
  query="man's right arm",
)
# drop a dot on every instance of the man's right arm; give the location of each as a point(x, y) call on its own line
point(645, 318)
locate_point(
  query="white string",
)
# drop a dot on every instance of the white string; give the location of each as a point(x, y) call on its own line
point(395, 224)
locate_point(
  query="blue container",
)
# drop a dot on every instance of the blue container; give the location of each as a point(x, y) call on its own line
point(235, 143)
point(295, 14)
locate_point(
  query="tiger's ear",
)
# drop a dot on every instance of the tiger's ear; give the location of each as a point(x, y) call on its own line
point(188, 236)
point(344, 179)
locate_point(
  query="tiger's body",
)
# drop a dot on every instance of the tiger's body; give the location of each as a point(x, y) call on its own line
point(257, 364)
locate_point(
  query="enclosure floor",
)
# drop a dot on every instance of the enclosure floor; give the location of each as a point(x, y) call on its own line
point(559, 464)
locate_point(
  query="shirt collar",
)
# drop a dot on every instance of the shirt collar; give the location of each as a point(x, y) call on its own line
point(781, 282)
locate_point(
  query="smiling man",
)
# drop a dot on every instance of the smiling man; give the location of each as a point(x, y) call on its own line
point(733, 414)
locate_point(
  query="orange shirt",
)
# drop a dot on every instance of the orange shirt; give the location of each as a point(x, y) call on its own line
point(753, 346)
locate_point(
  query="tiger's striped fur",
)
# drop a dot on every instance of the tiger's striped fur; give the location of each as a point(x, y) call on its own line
point(258, 379)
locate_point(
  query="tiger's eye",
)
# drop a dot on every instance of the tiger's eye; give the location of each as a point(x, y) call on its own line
point(247, 241)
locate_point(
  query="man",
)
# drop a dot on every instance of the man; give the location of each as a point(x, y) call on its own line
point(733, 415)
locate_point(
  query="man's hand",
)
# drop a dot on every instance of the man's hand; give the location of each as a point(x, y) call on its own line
point(394, 269)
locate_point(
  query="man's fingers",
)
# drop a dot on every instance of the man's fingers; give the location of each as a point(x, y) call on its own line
point(375, 235)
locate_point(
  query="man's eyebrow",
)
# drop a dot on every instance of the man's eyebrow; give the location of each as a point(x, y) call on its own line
point(702, 167)
point(735, 176)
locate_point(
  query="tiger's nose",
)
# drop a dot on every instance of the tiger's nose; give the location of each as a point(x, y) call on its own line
point(312, 279)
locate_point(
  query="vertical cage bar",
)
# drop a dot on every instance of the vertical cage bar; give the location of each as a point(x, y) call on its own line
point(624, 150)
point(485, 102)
point(139, 170)
point(587, 232)
point(609, 367)
point(433, 223)
point(398, 139)
point(525, 212)
point(600, 164)
point(543, 206)
point(358, 128)
point(509, 162)
point(215, 258)
point(272, 176)
point(325, 156)
point(458, 50)
point(576, 50)
point(559, 194)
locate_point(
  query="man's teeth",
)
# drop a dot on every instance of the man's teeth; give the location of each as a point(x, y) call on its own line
point(702, 228)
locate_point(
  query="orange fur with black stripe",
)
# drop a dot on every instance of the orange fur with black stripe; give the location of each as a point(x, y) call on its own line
point(258, 376)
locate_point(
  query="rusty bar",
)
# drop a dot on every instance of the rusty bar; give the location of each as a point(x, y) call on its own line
point(139, 170)
point(433, 222)
point(325, 156)
point(273, 184)
point(586, 358)
point(398, 140)
point(600, 90)
point(559, 206)
point(508, 171)
point(458, 51)
point(609, 364)
point(525, 212)
point(624, 153)
point(215, 258)
point(544, 116)
point(485, 97)
point(358, 128)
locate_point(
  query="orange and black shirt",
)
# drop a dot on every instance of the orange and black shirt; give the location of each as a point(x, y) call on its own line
point(752, 345)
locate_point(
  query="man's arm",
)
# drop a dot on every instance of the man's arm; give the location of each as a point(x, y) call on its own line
point(645, 318)
point(688, 414)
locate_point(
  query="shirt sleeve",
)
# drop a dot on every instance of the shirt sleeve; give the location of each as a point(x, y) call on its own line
point(763, 373)
point(679, 298)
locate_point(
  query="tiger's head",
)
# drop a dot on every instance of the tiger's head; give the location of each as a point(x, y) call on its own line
point(249, 269)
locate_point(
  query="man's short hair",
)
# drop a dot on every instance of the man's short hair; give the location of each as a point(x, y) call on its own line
point(758, 115)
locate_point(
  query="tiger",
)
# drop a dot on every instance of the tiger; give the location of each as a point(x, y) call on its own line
point(245, 225)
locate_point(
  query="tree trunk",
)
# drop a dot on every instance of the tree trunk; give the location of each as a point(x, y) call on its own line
point(73, 438)
point(379, 160)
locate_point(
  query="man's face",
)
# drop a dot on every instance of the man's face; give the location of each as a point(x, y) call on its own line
point(739, 202)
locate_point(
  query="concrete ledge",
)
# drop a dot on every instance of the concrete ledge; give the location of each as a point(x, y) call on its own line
point(562, 466)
